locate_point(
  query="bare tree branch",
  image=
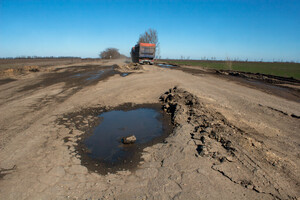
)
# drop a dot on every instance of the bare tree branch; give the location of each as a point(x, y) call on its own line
point(150, 36)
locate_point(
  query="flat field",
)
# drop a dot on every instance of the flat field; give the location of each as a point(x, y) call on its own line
point(273, 68)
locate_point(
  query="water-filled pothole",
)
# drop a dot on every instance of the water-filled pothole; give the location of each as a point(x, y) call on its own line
point(166, 65)
point(101, 149)
point(95, 75)
point(124, 74)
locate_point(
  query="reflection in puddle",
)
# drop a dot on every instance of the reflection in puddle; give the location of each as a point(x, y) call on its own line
point(166, 65)
point(124, 74)
point(77, 75)
point(102, 149)
point(95, 76)
point(105, 144)
point(91, 75)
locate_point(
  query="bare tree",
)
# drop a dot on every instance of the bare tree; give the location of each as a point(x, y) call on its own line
point(150, 36)
point(110, 53)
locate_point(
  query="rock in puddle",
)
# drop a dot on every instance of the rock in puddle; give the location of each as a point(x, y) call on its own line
point(129, 139)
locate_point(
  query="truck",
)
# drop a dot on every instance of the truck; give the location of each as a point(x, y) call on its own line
point(143, 53)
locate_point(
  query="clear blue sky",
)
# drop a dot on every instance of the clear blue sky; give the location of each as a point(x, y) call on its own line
point(253, 29)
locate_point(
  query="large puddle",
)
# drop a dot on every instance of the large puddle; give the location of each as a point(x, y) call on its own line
point(166, 65)
point(103, 150)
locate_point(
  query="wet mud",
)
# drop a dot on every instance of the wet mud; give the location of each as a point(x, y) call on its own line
point(74, 79)
point(6, 80)
point(100, 148)
point(264, 83)
point(280, 91)
point(235, 153)
point(162, 65)
point(75, 76)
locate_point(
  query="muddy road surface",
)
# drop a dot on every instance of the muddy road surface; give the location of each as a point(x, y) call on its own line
point(229, 140)
point(288, 88)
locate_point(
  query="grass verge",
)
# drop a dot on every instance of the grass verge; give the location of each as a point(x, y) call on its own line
point(277, 68)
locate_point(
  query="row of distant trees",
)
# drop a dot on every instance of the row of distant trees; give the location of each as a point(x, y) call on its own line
point(204, 58)
point(114, 53)
point(149, 36)
point(42, 57)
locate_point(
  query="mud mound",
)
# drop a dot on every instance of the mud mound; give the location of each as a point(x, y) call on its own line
point(17, 71)
point(32, 68)
point(9, 72)
point(235, 153)
point(130, 67)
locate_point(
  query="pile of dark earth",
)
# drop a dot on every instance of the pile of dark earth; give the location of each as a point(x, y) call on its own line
point(235, 153)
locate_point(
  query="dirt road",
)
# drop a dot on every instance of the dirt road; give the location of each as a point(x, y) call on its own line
point(230, 141)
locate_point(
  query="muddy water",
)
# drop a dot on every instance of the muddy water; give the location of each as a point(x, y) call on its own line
point(7, 80)
point(166, 65)
point(124, 74)
point(104, 152)
point(75, 77)
point(105, 143)
point(96, 75)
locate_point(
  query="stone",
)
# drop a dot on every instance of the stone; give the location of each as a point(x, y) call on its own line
point(129, 139)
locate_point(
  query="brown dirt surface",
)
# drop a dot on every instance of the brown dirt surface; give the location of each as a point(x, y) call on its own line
point(42, 62)
point(130, 67)
point(10, 68)
point(288, 88)
point(231, 140)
